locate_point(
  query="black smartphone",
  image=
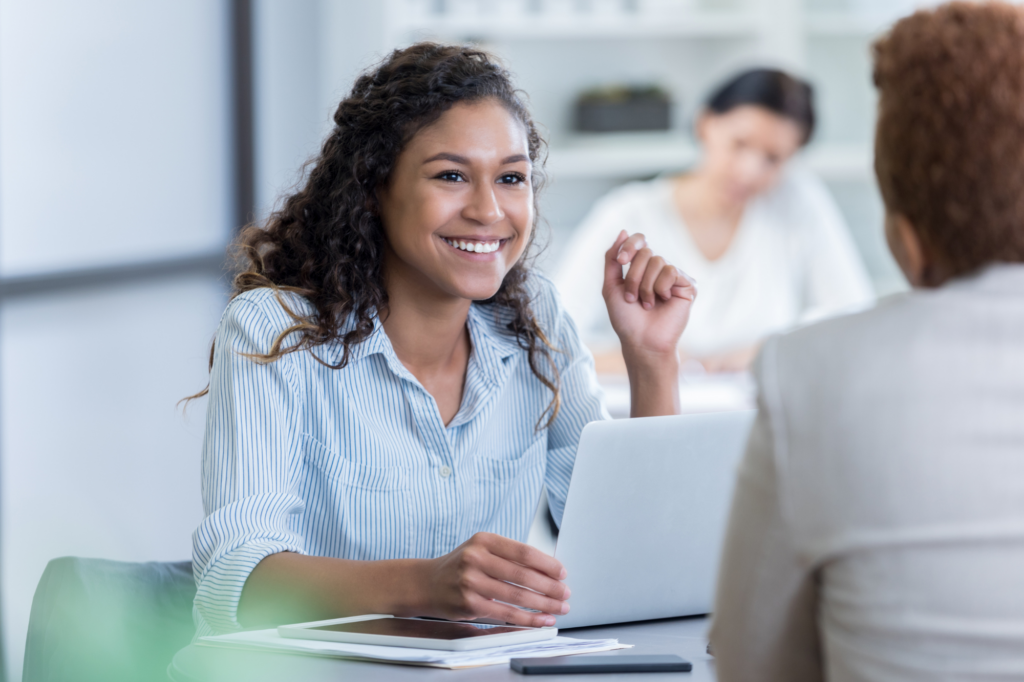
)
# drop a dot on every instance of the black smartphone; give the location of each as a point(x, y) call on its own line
point(630, 663)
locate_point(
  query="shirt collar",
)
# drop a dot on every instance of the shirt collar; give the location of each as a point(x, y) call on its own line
point(487, 328)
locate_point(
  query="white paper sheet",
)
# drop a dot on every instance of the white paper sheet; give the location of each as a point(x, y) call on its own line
point(269, 640)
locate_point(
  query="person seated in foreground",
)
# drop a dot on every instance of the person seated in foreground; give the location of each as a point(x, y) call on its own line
point(392, 385)
point(877, 530)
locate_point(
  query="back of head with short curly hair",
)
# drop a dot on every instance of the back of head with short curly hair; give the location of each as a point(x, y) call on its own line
point(949, 147)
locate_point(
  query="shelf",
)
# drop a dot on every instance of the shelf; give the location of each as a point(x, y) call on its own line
point(620, 155)
point(845, 24)
point(630, 155)
point(703, 25)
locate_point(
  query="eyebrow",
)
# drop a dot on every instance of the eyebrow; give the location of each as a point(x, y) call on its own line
point(455, 158)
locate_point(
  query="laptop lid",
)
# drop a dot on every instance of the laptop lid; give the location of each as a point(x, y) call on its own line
point(645, 515)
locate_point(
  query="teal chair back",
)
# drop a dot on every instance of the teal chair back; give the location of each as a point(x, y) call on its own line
point(94, 619)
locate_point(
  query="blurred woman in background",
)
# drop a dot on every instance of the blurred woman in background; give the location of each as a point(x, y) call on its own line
point(763, 238)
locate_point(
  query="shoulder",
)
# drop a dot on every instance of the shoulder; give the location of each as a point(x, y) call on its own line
point(545, 304)
point(836, 339)
point(264, 311)
point(636, 191)
point(631, 197)
point(844, 360)
point(545, 301)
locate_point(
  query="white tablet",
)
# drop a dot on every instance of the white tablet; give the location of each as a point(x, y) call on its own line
point(416, 633)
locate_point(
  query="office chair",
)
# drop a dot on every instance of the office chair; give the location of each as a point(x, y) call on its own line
point(94, 619)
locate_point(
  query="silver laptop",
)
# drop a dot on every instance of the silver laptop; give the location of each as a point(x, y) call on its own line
point(645, 516)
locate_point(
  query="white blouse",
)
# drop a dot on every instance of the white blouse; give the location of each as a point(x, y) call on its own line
point(791, 261)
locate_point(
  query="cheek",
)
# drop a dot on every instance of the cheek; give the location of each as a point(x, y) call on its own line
point(417, 217)
point(728, 161)
point(523, 219)
point(768, 178)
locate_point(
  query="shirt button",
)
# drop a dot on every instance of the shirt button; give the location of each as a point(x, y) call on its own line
point(445, 471)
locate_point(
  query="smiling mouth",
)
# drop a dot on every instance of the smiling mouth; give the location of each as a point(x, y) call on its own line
point(474, 245)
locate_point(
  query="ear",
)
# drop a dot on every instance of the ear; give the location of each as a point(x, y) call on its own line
point(906, 248)
point(700, 126)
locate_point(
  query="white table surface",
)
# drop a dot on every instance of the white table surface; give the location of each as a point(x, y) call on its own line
point(681, 636)
point(698, 392)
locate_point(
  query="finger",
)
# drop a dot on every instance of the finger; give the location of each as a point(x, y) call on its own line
point(524, 555)
point(665, 280)
point(684, 286)
point(630, 247)
point(522, 597)
point(488, 608)
point(650, 276)
point(612, 268)
point(507, 571)
point(637, 268)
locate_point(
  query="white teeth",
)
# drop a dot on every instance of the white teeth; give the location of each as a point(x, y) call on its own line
point(474, 247)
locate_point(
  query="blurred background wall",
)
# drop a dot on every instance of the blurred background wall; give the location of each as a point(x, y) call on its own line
point(116, 203)
point(125, 163)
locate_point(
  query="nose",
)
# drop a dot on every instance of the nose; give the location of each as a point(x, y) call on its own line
point(483, 206)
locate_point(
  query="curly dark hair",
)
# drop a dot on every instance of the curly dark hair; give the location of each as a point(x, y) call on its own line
point(326, 243)
point(949, 146)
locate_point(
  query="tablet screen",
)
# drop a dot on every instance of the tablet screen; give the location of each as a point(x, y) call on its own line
point(424, 629)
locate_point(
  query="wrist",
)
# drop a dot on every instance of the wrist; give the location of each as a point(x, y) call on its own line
point(653, 383)
point(647, 362)
point(407, 589)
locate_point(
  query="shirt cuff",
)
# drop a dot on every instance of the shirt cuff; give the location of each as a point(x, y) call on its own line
point(220, 587)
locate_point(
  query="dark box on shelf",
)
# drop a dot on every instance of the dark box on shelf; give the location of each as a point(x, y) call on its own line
point(623, 109)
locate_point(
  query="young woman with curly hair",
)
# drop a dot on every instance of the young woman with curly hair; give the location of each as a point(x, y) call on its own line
point(392, 385)
point(877, 531)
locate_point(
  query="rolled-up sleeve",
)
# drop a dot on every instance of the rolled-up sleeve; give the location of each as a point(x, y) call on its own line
point(251, 461)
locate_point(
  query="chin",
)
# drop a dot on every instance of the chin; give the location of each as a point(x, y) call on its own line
point(476, 290)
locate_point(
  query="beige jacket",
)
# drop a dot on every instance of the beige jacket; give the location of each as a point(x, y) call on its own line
point(877, 532)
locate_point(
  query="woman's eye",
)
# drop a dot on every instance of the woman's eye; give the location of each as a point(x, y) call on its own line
point(451, 176)
point(512, 178)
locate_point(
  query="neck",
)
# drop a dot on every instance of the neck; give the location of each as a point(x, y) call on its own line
point(426, 327)
point(706, 199)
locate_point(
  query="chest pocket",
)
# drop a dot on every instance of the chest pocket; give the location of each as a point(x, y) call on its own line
point(359, 511)
point(507, 491)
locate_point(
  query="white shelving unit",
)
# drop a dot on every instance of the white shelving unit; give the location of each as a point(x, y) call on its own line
point(640, 155)
point(498, 27)
point(740, 32)
point(557, 48)
point(844, 24)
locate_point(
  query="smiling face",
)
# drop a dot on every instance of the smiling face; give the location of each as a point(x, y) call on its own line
point(745, 149)
point(458, 208)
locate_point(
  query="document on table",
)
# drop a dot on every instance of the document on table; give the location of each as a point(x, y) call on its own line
point(269, 640)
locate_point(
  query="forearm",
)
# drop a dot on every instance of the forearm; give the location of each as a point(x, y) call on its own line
point(653, 383)
point(292, 588)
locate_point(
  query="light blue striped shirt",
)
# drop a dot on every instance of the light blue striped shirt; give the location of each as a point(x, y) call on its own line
point(356, 463)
